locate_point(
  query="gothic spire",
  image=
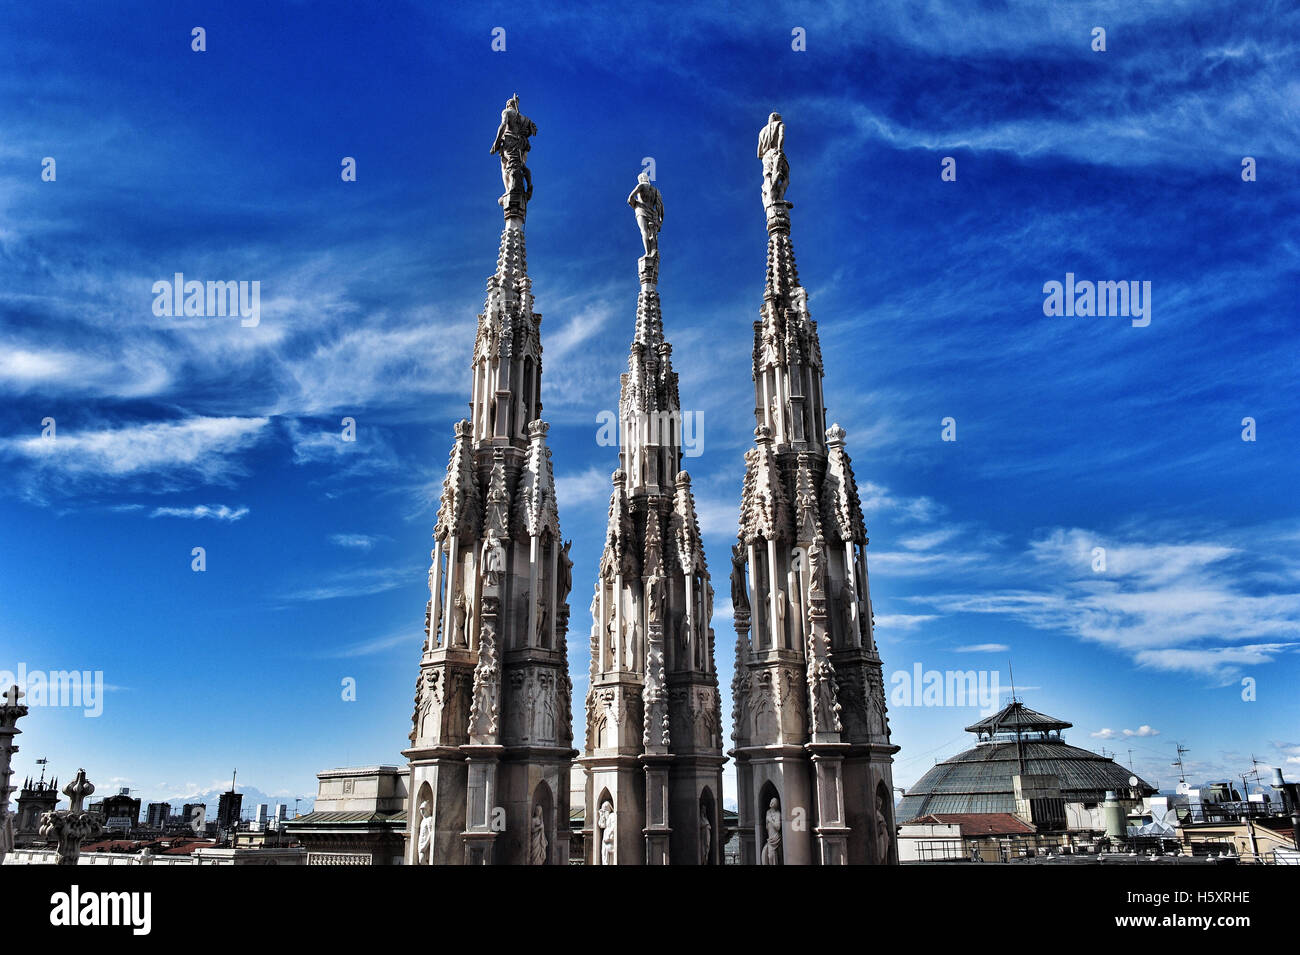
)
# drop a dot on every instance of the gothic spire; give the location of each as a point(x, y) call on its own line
point(808, 678)
point(653, 749)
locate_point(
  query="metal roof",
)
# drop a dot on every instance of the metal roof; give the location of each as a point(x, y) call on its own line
point(1016, 716)
point(979, 780)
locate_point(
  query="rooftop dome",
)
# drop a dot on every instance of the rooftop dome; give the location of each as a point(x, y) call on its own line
point(980, 779)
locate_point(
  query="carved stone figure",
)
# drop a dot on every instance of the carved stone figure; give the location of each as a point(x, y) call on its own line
point(648, 203)
point(606, 823)
point(739, 598)
point(780, 618)
point(846, 609)
point(538, 844)
point(884, 835)
point(706, 837)
point(815, 566)
point(494, 560)
point(564, 575)
point(542, 633)
point(460, 606)
point(827, 716)
point(512, 145)
point(776, 171)
point(772, 822)
point(425, 847)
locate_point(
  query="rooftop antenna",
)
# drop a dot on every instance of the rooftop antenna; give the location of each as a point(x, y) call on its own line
point(1020, 752)
point(42, 761)
point(1182, 774)
point(232, 779)
point(1130, 760)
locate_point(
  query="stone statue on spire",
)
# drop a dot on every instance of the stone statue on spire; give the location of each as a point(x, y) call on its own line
point(512, 145)
point(648, 204)
point(776, 171)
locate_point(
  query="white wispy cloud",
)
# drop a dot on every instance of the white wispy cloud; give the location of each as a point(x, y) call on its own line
point(1176, 604)
point(218, 512)
point(983, 648)
point(200, 448)
point(583, 487)
point(876, 499)
point(357, 582)
point(902, 621)
point(365, 648)
point(1143, 730)
point(356, 541)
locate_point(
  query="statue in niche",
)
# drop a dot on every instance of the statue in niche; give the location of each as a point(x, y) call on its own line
point(655, 597)
point(815, 566)
point(884, 837)
point(461, 608)
point(605, 820)
point(780, 618)
point(428, 622)
point(425, 843)
point(648, 204)
point(794, 581)
point(771, 356)
point(538, 844)
point(542, 632)
point(739, 598)
point(512, 145)
point(494, 559)
point(846, 608)
point(828, 707)
point(776, 170)
point(629, 661)
point(706, 837)
point(546, 729)
point(564, 577)
point(772, 822)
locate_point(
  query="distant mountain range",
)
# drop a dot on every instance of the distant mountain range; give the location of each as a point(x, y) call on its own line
point(253, 797)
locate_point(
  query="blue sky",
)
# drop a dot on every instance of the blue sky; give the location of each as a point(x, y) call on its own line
point(1072, 433)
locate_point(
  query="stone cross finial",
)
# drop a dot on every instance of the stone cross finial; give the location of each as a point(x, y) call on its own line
point(12, 695)
point(73, 825)
point(78, 790)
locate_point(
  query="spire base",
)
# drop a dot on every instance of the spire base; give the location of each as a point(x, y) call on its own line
point(778, 216)
point(647, 269)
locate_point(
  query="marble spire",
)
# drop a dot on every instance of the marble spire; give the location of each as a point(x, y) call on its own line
point(653, 752)
point(809, 724)
point(491, 735)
